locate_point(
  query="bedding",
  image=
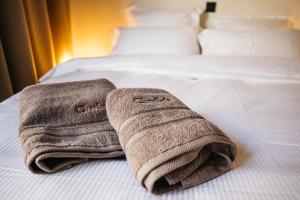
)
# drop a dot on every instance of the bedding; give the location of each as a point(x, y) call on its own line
point(279, 43)
point(156, 41)
point(243, 23)
point(233, 67)
point(138, 17)
point(65, 124)
point(167, 145)
point(254, 101)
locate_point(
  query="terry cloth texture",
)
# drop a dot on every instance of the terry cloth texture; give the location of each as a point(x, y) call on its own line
point(166, 144)
point(64, 124)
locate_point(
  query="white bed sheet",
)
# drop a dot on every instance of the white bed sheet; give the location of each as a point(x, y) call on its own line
point(255, 101)
point(249, 68)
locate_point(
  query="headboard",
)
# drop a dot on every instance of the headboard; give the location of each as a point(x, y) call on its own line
point(245, 8)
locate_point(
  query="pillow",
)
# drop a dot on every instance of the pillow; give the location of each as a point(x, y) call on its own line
point(280, 43)
point(235, 23)
point(162, 18)
point(171, 40)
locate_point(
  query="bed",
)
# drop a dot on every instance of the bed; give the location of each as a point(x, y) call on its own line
point(253, 99)
point(258, 109)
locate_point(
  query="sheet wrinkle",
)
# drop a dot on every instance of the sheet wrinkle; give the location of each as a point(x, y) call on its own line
point(199, 66)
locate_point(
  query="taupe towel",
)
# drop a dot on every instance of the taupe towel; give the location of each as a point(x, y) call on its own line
point(166, 144)
point(63, 124)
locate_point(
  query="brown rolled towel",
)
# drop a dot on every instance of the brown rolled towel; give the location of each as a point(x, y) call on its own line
point(64, 124)
point(166, 144)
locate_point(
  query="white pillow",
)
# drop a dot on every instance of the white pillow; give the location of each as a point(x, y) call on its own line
point(162, 18)
point(170, 40)
point(280, 43)
point(239, 23)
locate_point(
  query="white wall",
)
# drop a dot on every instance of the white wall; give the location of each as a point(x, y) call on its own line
point(91, 24)
point(232, 7)
point(246, 8)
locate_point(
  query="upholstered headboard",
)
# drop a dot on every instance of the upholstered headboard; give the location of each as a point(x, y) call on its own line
point(249, 8)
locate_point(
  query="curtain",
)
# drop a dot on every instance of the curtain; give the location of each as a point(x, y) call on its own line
point(30, 47)
point(16, 44)
point(42, 49)
point(5, 83)
point(38, 34)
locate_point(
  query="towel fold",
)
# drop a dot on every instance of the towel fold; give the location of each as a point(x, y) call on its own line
point(64, 124)
point(166, 144)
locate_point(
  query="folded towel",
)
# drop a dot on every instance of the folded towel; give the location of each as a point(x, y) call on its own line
point(63, 124)
point(166, 144)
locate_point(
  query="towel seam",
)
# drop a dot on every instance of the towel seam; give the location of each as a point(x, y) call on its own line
point(69, 135)
point(178, 146)
point(36, 140)
point(69, 126)
point(65, 146)
point(161, 124)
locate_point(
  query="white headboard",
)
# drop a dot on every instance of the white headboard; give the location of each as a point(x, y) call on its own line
point(248, 8)
point(168, 4)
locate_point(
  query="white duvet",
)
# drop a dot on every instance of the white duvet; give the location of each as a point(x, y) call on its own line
point(255, 100)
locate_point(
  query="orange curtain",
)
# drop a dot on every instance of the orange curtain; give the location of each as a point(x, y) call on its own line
point(38, 34)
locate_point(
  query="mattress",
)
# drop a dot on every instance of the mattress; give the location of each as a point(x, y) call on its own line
point(254, 100)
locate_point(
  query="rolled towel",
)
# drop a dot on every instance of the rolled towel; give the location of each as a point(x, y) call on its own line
point(64, 124)
point(166, 144)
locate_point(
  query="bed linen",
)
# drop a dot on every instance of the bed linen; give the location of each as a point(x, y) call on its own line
point(157, 41)
point(234, 67)
point(254, 101)
point(139, 17)
point(256, 42)
point(259, 42)
point(245, 23)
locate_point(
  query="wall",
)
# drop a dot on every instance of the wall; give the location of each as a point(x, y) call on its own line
point(59, 18)
point(255, 8)
point(91, 24)
point(242, 8)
